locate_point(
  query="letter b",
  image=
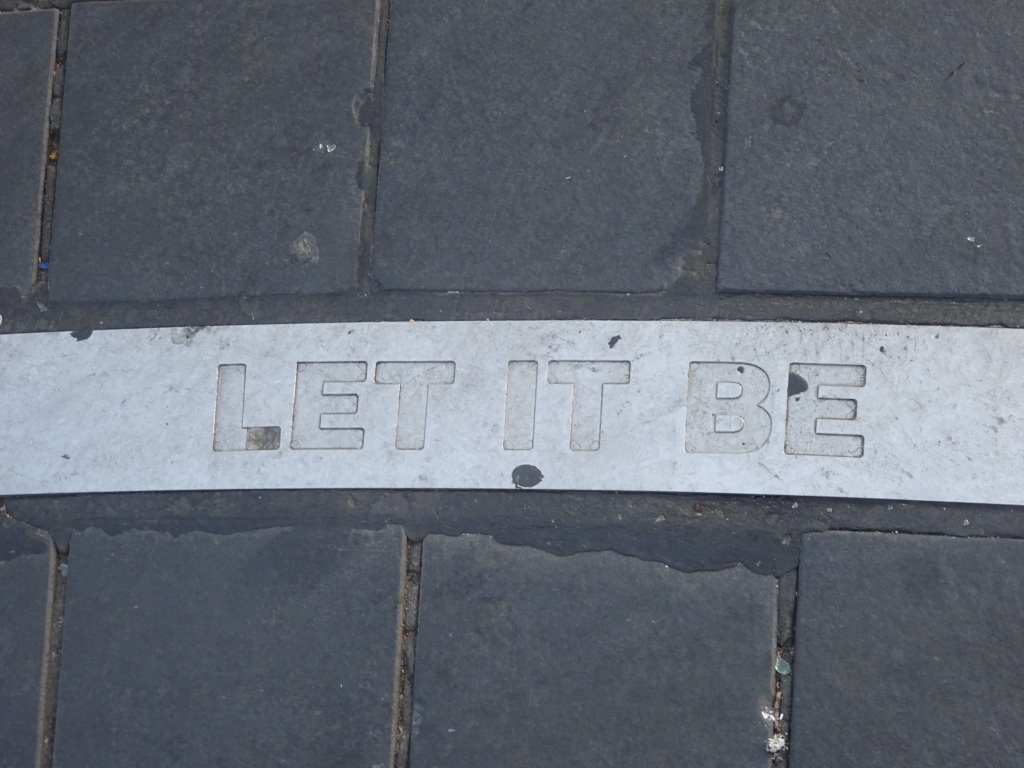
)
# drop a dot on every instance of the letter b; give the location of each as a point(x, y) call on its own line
point(723, 408)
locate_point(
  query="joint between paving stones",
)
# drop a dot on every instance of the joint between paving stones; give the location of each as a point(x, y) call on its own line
point(724, 12)
point(786, 596)
point(369, 114)
point(52, 645)
point(405, 662)
point(52, 151)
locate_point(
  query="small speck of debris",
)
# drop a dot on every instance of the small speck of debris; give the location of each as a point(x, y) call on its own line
point(41, 307)
point(304, 250)
point(796, 504)
point(64, 569)
point(1, 319)
point(81, 335)
point(782, 666)
point(613, 341)
point(64, 456)
point(966, 523)
point(776, 743)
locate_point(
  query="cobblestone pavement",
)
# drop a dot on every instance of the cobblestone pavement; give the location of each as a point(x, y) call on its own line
point(187, 163)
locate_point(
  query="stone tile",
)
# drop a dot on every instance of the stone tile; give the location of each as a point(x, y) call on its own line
point(908, 651)
point(209, 148)
point(524, 658)
point(274, 647)
point(26, 569)
point(541, 145)
point(26, 60)
point(873, 148)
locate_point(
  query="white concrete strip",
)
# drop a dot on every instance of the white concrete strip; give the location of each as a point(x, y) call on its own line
point(898, 412)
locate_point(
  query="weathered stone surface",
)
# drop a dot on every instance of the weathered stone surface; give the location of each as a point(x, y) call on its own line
point(873, 148)
point(276, 647)
point(26, 61)
point(209, 148)
point(908, 651)
point(26, 573)
point(538, 146)
point(524, 658)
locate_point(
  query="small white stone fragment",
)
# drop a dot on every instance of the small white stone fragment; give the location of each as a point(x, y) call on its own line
point(776, 743)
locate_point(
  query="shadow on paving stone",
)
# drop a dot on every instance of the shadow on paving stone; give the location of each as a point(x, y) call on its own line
point(27, 562)
point(528, 659)
point(908, 652)
point(271, 647)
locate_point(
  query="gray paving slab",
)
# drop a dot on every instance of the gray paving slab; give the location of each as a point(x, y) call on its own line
point(273, 647)
point(907, 651)
point(26, 569)
point(874, 148)
point(26, 60)
point(209, 148)
point(540, 145)
point(525, 658)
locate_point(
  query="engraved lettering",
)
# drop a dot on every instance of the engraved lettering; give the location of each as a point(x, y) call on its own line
point(588, 379)
point(414, 380)
point(808, 410)
point(723, 408)
point(322, 405)
point(229, 434)
point(520, 405)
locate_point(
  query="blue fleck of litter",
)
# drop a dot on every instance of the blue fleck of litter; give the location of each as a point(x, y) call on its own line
point(44, 265)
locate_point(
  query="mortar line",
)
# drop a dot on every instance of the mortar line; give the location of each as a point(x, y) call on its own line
point(785, 624)
point(52, 151)
point(372, 116)
point(721, 61)
point(406, 656)
point(53, 647)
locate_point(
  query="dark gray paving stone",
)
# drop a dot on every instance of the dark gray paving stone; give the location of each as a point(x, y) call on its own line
point(275, 647)
point(26, 569)
point(209, 148)
point(26, 60)
point(908, 652)
point(525, 658)
point(540, 145)
point(874, 148)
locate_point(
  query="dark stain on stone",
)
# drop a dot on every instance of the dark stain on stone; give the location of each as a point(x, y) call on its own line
point(788, 110)
point(526, 476)
point(613, 341)
point(81, 335)
point(797, 384)
point(741, 369)
point(882, 350)
point(262, 438)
